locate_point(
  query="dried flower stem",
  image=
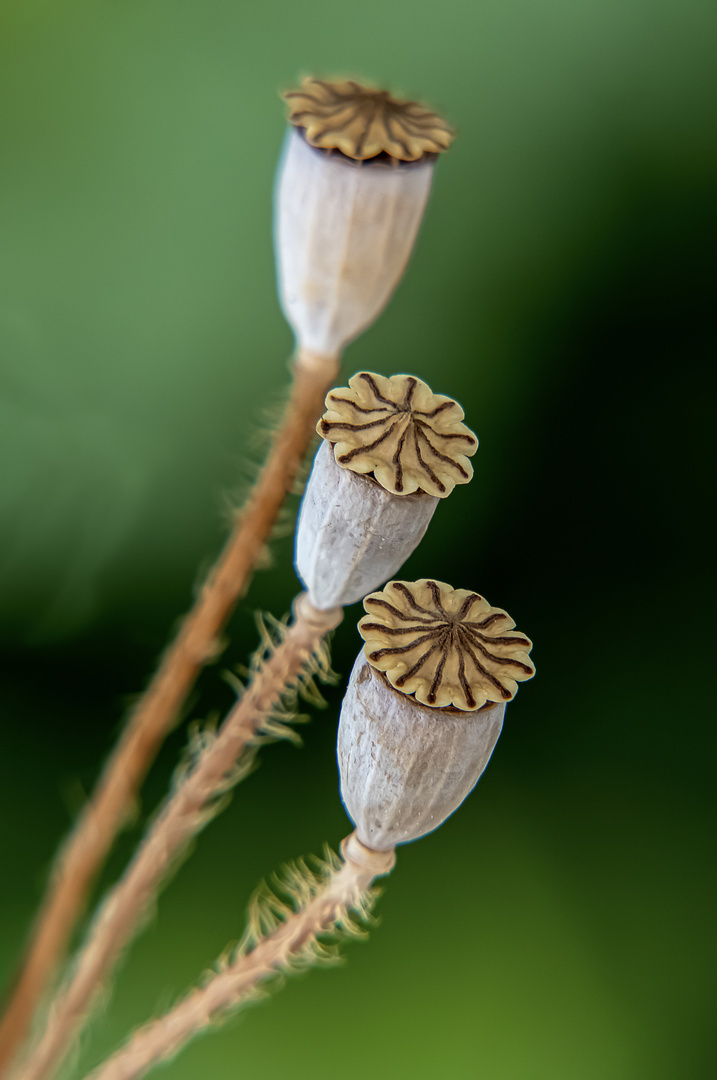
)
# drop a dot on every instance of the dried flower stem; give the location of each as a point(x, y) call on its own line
point(197, 642)
point(345, 888)
point(186, 811)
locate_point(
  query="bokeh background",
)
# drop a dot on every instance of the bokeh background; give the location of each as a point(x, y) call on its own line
point(560, 926)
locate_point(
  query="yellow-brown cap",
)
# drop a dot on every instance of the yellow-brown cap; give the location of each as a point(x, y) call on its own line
point(396, 428)
point(444, 646)
point(363, 122)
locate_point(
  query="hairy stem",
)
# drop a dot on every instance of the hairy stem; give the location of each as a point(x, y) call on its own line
point(156, 712)
point(182, 816)
point(343, 890)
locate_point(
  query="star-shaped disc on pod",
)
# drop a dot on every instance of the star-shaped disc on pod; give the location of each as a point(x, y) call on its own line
point(444, 646)
point(398, 430)
point(364, 123)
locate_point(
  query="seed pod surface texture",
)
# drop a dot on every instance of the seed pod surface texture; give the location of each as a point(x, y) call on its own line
point(352, 534)
point(344, 233)
point(406, 767)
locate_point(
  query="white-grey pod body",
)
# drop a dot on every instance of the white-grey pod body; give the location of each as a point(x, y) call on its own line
point(406, 767)
point(352, 534)
point(344, 233)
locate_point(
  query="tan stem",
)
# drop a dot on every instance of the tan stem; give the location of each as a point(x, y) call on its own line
point(164, 1037)
point(156, 712)
point(178, 822)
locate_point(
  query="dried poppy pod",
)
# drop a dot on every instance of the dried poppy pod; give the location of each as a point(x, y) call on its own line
point(352, 187)
point(392, 448)
point(424, 706)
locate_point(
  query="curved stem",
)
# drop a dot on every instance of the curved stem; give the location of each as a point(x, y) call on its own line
point(343, 890)
point(197, 642)
point(156, 712)
point(183, 815)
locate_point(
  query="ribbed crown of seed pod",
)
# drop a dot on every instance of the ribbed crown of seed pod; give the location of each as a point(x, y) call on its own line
point(408, 438)
point(444, 646)
point(365, 123)
point(392, 448)
point(424, 707)
point(351, 192)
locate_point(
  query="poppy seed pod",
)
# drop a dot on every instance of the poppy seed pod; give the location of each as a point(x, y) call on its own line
point(424, 707)
point(351, 191)
point(392, 449)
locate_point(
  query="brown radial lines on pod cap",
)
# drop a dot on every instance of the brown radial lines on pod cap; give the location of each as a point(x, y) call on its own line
point(445, 646)
point(399, 431)
point(363, 122)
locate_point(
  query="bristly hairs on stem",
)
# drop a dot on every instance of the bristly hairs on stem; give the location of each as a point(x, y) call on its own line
point(289, 891)
point(296, 923)
point(235, 500)
point(258, 436)
point(200, 790)
point(279, 722)
point(248, 468)
point(195, 644)
point(285, 523)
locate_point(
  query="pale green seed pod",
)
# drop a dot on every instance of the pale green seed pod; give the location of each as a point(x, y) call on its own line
point(392, 449)
point(351, 192)
point(424, 707)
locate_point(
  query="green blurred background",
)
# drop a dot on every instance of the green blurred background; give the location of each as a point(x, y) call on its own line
point(560, 926)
